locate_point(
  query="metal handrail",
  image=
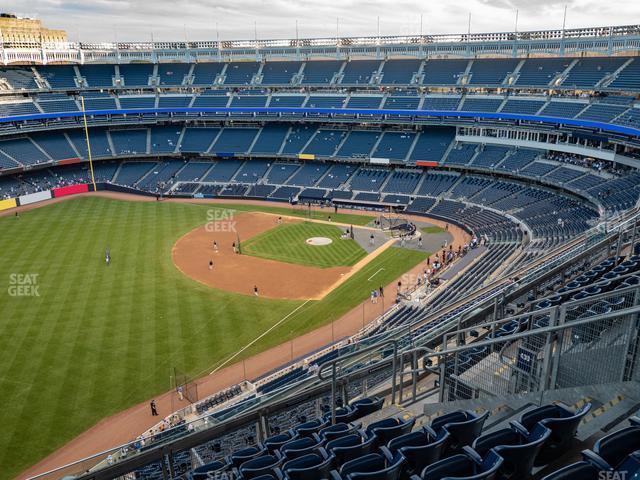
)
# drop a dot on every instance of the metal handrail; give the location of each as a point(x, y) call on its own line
point(334, 376)
point(553, 328)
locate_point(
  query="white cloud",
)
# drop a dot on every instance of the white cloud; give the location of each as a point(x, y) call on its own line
point(129, 20)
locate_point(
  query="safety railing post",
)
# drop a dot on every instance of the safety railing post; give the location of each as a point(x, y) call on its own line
point(333, 393)
point(443, 375)
point(263, 425)
point(345, 391)
point(172, 468)
point(619, 245)
point(632, 342)
point(557, 352)
point(394, 367)
point(414, 369)
point(165, 474)
point(400, 392)
point(546, 363)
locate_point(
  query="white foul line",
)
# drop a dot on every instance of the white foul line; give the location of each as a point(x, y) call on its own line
point(257, 338)
point(378, 271)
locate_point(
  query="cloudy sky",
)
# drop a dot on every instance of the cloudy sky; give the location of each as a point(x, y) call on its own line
point(128, 20)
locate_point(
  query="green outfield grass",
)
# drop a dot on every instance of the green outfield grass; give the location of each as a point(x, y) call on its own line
point(432, 229)
point(301, 211)
point(96, 339)
point(286, 243)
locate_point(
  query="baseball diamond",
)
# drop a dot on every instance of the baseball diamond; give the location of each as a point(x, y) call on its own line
point(169, 318)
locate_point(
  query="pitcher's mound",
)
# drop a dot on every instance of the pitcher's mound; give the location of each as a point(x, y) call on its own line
point(318, 241)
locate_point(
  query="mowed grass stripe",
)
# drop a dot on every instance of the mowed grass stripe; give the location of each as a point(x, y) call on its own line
point(303, 212)
point(286, 243)
point(389, 265)
point(100, 339)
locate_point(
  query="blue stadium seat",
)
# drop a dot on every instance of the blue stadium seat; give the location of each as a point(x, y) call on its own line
point(420, 448)
point(371, 467)
point(517, 448)
point(562, 422)
point(275, 442)
point(202, 473)
point(463, 427)
point(311, 427)
point(464, 466)
point(238, 457)
point(576, 471)
point(619, 451)
point(320, 72)
point(301, 446)
point(264, 465)
point(343, 414)
point(366, 406)
point(309, 467)
point(389, 428)
point(338, 430)
point(350, 447)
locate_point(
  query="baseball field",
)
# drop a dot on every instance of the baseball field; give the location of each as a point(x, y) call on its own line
point(82, 340)
point(286, 243)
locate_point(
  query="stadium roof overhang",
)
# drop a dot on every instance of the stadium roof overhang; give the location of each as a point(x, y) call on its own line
point(604, 40)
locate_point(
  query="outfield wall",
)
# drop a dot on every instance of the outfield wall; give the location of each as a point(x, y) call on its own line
point(34, 197)
point(70, 190)
point(43, 196)
point(7, 204)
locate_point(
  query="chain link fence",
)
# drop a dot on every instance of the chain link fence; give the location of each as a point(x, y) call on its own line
point(584, 342)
